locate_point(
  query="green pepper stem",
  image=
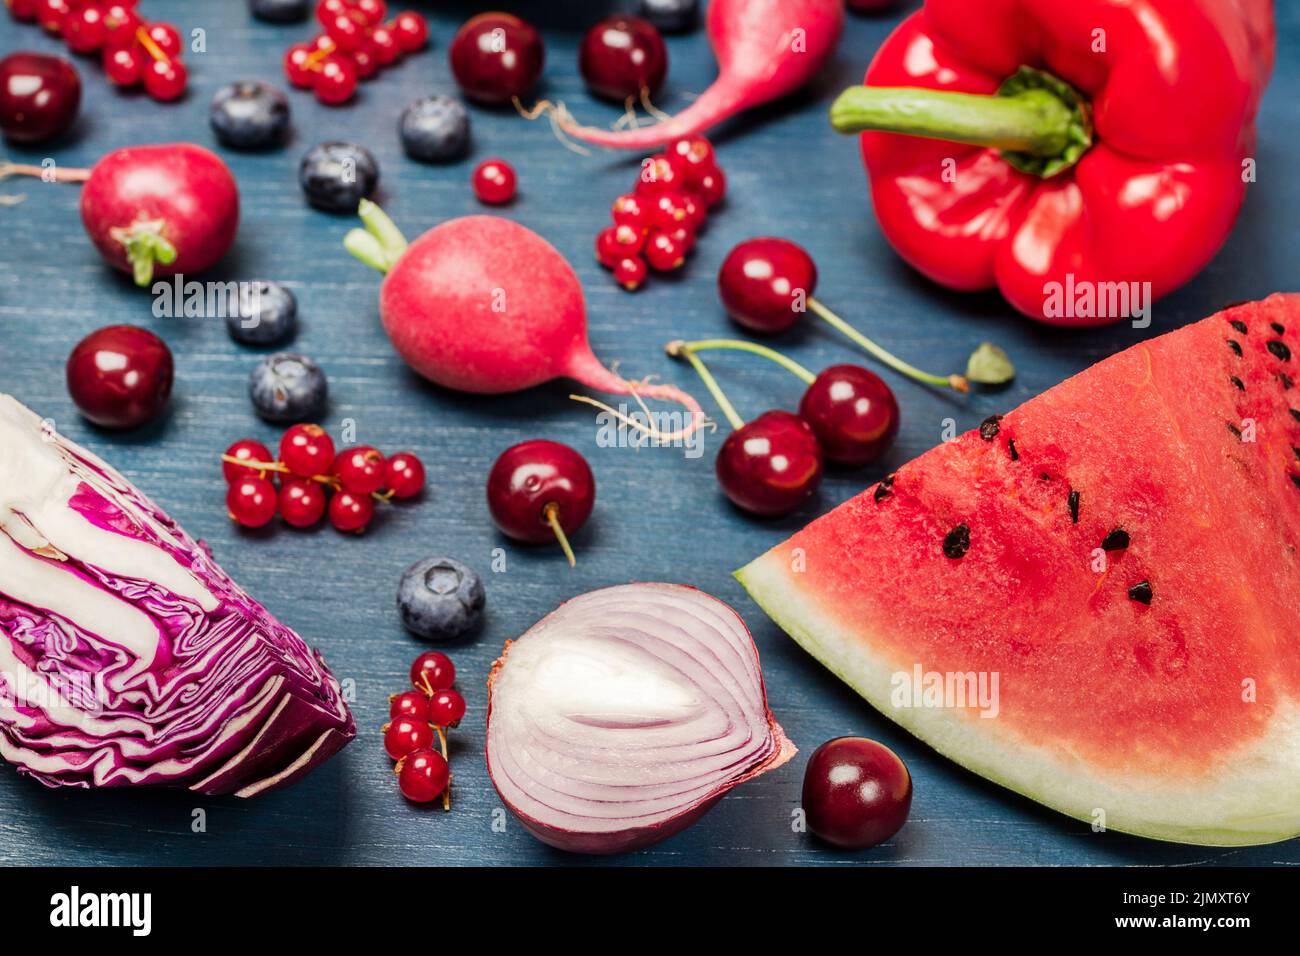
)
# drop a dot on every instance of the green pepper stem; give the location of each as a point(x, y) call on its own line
point(956, 382)
point(681, 349)
point(381, 243)
point(739, 345)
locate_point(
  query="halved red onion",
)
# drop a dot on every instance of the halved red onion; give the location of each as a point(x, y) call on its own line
point(623, 715)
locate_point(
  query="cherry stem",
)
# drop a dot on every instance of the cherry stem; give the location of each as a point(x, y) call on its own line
point(680, 349)
point(442, 742)
point(552, 515)
point(955, 382)
point(739, 345)
point(58, 174)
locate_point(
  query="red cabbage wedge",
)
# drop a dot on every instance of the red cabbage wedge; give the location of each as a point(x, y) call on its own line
point(623, 715)
point(127, 656)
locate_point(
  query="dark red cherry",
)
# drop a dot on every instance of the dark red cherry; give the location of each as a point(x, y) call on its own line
point(496, 56)
point(853, 413)
point(621, 56)
point(856, 792)
point(536, 475)
point(770, 465)
point(39, 96)
point(765, 282)
point(120, 376)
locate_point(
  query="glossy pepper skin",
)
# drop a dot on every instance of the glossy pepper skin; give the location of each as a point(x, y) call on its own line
point(1171, 102)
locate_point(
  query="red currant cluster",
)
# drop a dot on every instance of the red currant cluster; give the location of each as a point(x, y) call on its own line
point(655, 226)
point(416, 716)
point(132, 49)
point(308, 468)
point(356, 45)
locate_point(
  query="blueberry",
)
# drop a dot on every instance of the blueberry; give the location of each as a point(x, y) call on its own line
point(434, 129)
point(287, 387)
point(267, 314)
point(249, 115)
point(336, 176)
point(279, 11)
point(671, 16)
point(440, 599)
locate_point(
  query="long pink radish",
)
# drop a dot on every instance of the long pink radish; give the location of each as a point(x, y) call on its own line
point(484, 305)
point(765, 50)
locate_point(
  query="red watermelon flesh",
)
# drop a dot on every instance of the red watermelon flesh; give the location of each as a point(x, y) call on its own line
point(1177, 719)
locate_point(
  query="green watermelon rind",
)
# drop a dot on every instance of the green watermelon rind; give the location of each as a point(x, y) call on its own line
point(767, 581)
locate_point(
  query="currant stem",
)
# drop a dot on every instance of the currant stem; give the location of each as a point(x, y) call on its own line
point(446, 793)
point(681, 349)
point(955, 382)
point(552, 515)
point(739, 345)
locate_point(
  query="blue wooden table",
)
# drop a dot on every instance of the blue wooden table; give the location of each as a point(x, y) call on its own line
point(659, 515)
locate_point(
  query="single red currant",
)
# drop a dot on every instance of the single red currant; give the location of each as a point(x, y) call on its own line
point(166, 38)
point(494, 182)
point(432, 671)
point(630, 210)
point(302, 502)
point(411, 30)
point(246, 449)
point(307, 451)
point(405, 734)
point(372, 11)
point(84, 30)
point(423, 775)
point(661, 173)
point(123, 65)
point(668, 210)
point(446, 708)
point(350, 511)
point(120, 23)
point(334, 80)
point(251, 502)
point(663, 252)
point(630, 273)
point(404, 475)
point(165, 80)
point(346, 32)
point(409, 703)
point(50, 14)
point(363, 58)
point(297, 65)
point(384, 45)
point(696, 156)
point(710, 187)
point(359, 469)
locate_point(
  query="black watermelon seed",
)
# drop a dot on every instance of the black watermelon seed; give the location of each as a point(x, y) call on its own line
point(1296, 450)
point(1278, 327)
point(1295, 480)
point(1295, 414)
point(882, 489)
point(989, 427)
point(1141, 592)
point(957, 542)
point(1285, 379)
point(1238, 382)
point(1278, 348)
point(1234, 345)
point(1073, 502)
point(1011, 447)
point(1045, 477)
point(1117, 540)
point(1234, 429)
point(1239, 325)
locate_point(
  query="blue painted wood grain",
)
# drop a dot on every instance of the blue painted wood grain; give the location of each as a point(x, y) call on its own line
point(659, 515)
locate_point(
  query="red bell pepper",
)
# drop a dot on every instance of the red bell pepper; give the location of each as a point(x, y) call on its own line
point(1058, 144)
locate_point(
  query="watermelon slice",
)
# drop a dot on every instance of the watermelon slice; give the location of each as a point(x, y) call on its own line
point(1118, 558)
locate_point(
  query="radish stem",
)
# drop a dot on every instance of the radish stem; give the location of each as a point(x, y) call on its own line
point(552, 514)
point(680, 349)
point(956, 382)
point(381, 243)
point(739, 345)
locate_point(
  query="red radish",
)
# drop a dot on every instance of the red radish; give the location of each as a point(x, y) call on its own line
point(484, 305)
point(766, 49)
point(155, 210)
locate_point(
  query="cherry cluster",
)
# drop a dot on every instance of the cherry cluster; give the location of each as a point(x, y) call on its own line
point(415, 718)
point(655, 225)
point(356, 45)
point(132, 50)
point(314, 479)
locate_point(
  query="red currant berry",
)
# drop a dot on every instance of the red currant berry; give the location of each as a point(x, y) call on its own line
point(120, 23)
point(494, 182)
point(630, 273)
point(617, 243)
point(762, 282)
point(302, 502)
point(853, 413)
point(334, 80)
point(663, 252)
point(297, 67)
point(683, 235)
point(623, 56)
point(359, 469)
point(84, 30)
point(372, 11)
point(432, 671)
point(405, 734)
point(423, 775)
point(165, 80)
point(770, 465)
point(346, 33)
point(165, 38)
point(24, 11)
point(307, 451)
point(496, 56)
point(696, 156)
point(251, 501)
point(667, 210)
point(446, 708)
point(50, 14)
point(384, 45)
point(697, 214)
point(411, 30)
point(409, 703)
point(711, 186)
point(350, 511)
point(661, 173)
point(404, 475)
point(246, 449)
point(536, 477)
point(630, 210)
point(327, 10)
point(123, 65)
point(364, 60)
